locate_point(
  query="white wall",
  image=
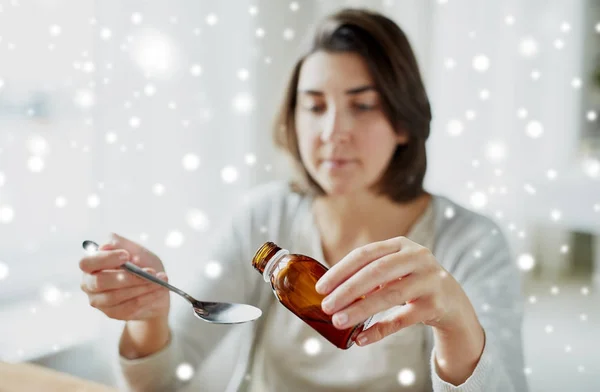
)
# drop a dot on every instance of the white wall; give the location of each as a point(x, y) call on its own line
point(39, 234)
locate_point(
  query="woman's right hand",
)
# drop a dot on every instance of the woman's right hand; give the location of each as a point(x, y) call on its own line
point(119, 294)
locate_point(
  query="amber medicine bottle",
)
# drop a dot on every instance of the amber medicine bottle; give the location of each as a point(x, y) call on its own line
point(293, 278)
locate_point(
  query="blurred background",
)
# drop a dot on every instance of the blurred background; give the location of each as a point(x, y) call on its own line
point(150, 119)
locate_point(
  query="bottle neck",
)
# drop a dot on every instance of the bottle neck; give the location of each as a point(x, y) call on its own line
point(266, 259)
point(272, 264)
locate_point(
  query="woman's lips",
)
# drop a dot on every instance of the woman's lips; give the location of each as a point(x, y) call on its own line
point(337, 163)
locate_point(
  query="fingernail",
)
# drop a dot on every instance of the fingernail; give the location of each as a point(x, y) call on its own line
point(340, 319)
point(320, 287)
point(328, 304)
point(362, 340)
point(124, 256)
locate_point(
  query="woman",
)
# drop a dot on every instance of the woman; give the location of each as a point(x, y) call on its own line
point(355, 120)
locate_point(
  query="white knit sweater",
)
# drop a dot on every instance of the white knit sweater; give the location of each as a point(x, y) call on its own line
point(469, 246)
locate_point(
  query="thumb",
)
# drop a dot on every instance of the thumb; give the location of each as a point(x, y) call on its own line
point(113, 242)
point(162, 276)
point(117, 241)
point(107, 246)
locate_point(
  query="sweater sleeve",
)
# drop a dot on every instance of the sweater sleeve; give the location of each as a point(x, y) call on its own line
point(482, 264)
point(192, 340)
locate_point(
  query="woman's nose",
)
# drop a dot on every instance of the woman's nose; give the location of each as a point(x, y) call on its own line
point(336, 127)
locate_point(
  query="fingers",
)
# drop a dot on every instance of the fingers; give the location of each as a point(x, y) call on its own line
point(113, 298)
point(386, 269)
point(103, 259)
point(139, 307)
point(116, 241)
point(114, 291)
point(107, 280)
point(354, 261)
point(124, 296)
point(398, 293)
point(407, 315)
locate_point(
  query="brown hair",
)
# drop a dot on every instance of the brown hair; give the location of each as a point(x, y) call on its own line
point(393, 66)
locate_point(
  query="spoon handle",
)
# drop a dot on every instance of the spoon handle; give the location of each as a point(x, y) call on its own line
point(134, 269)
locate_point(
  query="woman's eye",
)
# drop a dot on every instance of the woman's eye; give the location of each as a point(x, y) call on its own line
point(315, 108)
point(364, 107)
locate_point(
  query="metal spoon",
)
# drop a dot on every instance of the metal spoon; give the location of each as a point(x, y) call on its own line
point(212, 312)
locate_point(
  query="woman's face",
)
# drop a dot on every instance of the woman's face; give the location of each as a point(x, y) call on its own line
point(345, 140)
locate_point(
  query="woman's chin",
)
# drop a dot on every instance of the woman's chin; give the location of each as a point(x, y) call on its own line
point(339, 188)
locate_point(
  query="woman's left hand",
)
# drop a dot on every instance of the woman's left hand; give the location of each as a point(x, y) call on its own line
point(381, 275)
